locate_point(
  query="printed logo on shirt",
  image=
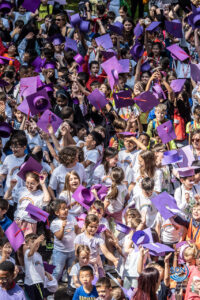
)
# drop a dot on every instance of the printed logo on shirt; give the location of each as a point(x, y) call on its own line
point(179, 274)
point(26, 198)
point(37, 263)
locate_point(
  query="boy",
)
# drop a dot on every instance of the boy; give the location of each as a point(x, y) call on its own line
point(91, 154)
point(5, 222)
point(194, 124)
point(8, 289)
point(87, 290)
point(194, 226)
point(104, 289)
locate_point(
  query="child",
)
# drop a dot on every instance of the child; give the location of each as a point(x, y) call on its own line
point(72, 182)
point(91, 154)
point(104, 289)
point(194, 124)
point(143, 202)
point(86, 290)
point(18, 118)
point(192, 291)
point(5, 252)
point(193, 230)
point(8, 288)
point(63, 228)
point(117, 195)
point(33, 136)
point(95, 243)
point(4, 220)
point(34, 269)
point(83, 255)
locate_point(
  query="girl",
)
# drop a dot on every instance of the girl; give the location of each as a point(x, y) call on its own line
point(95, 243)
point(63, 228)
point(102, 172)
point(148, 284)
point(83, 256)
point(72, 182)
point(117, 195)
point(34, 192)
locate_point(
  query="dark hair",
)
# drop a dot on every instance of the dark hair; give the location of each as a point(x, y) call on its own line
point(196, 109)
point(147, 184)
point(108, 153)
point(117, 176)
point(3, 241)
point(147, 283)
point(19, 137)
point(4, 204)
point(67, 155)
point(94, 62)
point(85, 269)
point(66, 112)
point(30, 236)
point(62, 294)
point(97, 137)
point(57, 204)
point(104, 281)
point(7, 266)
point(91, 218)
point(111, 15)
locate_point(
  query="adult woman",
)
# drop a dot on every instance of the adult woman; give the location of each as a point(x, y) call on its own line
point(195, 139)
point(128, 30)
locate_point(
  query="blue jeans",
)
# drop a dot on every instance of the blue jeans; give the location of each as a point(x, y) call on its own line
point(61, 260)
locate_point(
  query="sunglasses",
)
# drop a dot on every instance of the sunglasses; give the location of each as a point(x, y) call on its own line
point(196, 140)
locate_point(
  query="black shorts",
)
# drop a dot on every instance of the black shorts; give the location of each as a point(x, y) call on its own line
point(35, 291)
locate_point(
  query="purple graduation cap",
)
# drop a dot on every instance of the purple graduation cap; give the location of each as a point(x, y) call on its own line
point(137, 51)
point(109, 53)
point(3, 83)
point(49, 65)
point(5, 130)
point(141, 237)
point(124, 65)
point(195, 72)
point(48, 268)
point(187, 171)
point(166, 132)
point(49, 118)
point(97, 99)
point(187, 156)
point(145, 66)
point(177, 85)
point(31, 5)
point(157, 249)
point(84, 26)
point(194, 20)
point(36, 213)
point(5, 7)
point(38, 63)
point(101, 190)
point(81, 220)
point(138, 30)
point(123, 99)
point(15, 236)
point(117, 28)
point(75, 20)
point(171, 157)
point(84, 197)
point(70, 44)
point(153, 26)
point(38, 102)
point(123, 228)
point(104, 41)
point(158, 91)
point(28, 86)
point(174, 28)
point(101, 228)
point(146, 101)
point(5, 60)
point(166, 205)
point(177, 52)
point(31, 165)
point(79, 59)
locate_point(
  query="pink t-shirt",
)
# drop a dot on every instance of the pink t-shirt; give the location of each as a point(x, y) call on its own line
point(194, 275)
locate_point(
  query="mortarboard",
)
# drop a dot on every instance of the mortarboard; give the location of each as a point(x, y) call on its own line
point(84, 197)
point(104, 41)
point(75, 19)
point(195, 72)
point(5, 60)
point(194, 20)
point(145, 66)
point(146, 101)
point(171, 157)
point(166, 205)
point(109, 53)
point(177, 52)
point(70, 44)
point(5, 130)
point(141, 237)
point(158, 91)
point(138, 30)
point(187, 171)
point(3, 83)
point(187, 156)
point(123, 228)
point(38, 102)
point(97, 99)
point(49, 65)
point(48, 268)
point(15, 236)
point(124, 65)
point(31, 5)
point(49, 118)
point(123, 99)
point(153, 26)
point(84, 26)
point(101, 228)
point(174, 28)
point(101, 190)
point(117, 28)
point(166, 132)
point(157, 249)
point(137, 51)
point(57, 39)
point(177, 85)
point(28, 86)
point(38, 63)
point(31, 165)
point(79, 59)
point(5, 7)
point(37, 213)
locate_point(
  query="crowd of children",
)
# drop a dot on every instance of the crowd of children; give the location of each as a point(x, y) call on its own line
point(100, 150)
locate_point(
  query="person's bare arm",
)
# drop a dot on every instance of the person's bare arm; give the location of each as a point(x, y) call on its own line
point(60, 234)
point(34, 246)
point(167, 270)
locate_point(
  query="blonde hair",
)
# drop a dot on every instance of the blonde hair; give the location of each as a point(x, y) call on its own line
point(161, 107)
point(81, 248)
point(191, 250)
point(117, 176)
point(67, 177)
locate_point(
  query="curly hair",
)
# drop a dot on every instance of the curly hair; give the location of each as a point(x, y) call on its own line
point(67, 155)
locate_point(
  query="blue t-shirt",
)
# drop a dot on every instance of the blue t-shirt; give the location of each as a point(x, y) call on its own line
point(80, 294)
point(5, 223)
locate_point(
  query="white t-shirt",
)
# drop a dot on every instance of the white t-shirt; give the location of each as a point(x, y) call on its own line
point(67, 242)
point(93, 156)
point(77, 209)
point(93, 243)
point(128, 156)
point(179, 196)
point(118, 203)
point(34, 140)
point(158, 179)
point(23, 197)
point(99, 174)
point(34, 268)
point(57, 180)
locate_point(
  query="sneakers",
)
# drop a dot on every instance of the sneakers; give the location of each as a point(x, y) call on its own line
point(49, 246)
point(64, 277)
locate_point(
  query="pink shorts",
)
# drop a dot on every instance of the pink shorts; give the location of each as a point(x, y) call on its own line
point(26, 227)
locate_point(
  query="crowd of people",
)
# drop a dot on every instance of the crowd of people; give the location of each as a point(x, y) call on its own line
point(99, 150)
